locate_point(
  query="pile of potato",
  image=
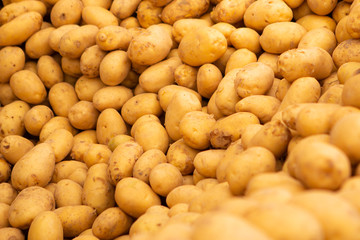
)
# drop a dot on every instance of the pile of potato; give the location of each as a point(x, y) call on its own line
point(180, 119)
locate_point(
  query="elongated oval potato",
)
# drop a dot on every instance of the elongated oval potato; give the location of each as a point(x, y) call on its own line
point(159, 44)
point(61, 141)
point(12, 118)
point(344, 52)
point(152, 130)
point(121, 162)
point(312, 21)
point(53, 124)
point(114, 67)
point(26, 171)
point(56, 35)
point(20, 28)
point(75, 219)
point(13, 147)
point(341, 32)
point(68, 193)
point(111, 223)
point(11, 11)
point(28, 87)
point(62, 97)
point(5, 171)
point(74, 42)
point(12, 59)
point(148, 14)
point(183, 26)
point(66, 12)
point(98, 16)
point(240, 58)
point(113, 37)
point(90, 61)
point(86, 88)
point(207, 79)
point(4, 217)
point(109, 124)
point(28, 204)
point(134, 197)
point(102, 3)
point(38, 44)
point(11, 232)
point(98, 192)
point(195, 46)
point(49, 71)
point(230, 12)
point(111, 97)
point(147, 161)
point(45, 225)
point(319, 37)
point(159, 75)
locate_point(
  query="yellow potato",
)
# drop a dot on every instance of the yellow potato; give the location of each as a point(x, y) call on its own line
point(351, 89)
point(111, 223)
point(90, 61)
point(143, 119)
point(207, 79)
point(28, 204)
point(46, 225)
point(132, 24)
point(13, 147)
point(195, 46)
point(312, 21)
point(344, 52)
point(114, 67)
point(8, 193)
point(166, 94)
point(49, 71)
point(148, 14)
point(83, 115)
point(53, 124)
point(4, 216)
point(102, 3)
point(6, 94)
point(12, 59)
point(148, 223)
point(56, 35)
point(28, 87)
point(113, 37)
point(183, 26)
point(347, 70)
point(146, 162)
point(341, 32)
point(272, 61)
point(159, 75)
point(11, 11)
point(10, 232)
point(111, 97)
point(319, 37)
point(75, 219)
point(71, 67)
point(37, 45)
point(183, 194)
point(159, 42)
point(234, 149)
point(222, 61)
point(97, 153)
point(178, 209)
point(98, 16)
point(161, 172)
point(109, 124)
point(264, 12)
point(248, 133)
point(62, 97)
point(273, 40)
point(239, 59)
point(20, 28)
point(123, 9)
point(294, 3)
point(66, 12)
point(186, 75)
point(122, 161)
point(134, 197)
point(86, 88)
point(207, 161)
point(181, 156)
point(5, 170)
point(352, 23)
point(12, 118)
point(226, 29)
point(72, 170)
point(321, 7)
point(246, 38)
point(61, 140)
point(230, 12)
point(68, 193)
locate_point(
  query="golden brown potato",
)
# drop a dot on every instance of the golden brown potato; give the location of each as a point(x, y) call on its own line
point(207, 161)
point(5, 170)
point(12, 59)
point(166, 94)
point(6, 94)
point(272, 61)
point(10, 232)
point(68, 193)
point(56, 35)
point(181, 156)
point(185, 25)
point(341, 10)
point(71, 68)
point(44, 225)
point(114, 68)
point(113, 37)
point(61, 141)
point(13, 147)
point(321, 7)
point(123, 9)
point(38, 44)
point(83, 115)
point(71, 169)
point(148, 14)
point(161, 172)
point(301, 11)
point(49, 71)
point(245, 38)
point(344, 52)
point(98, 16)
point(66, 12)
point(8, 193)
point(207, 79)
point(146, 162)
point(53, 124)
point(111, 97)
point(62, 97)
point(90, 61)
point(4, 217)
point(341, 32)
point(240, 58)
point(86, 88)
point(222, 61)
point(36, 118)
point(347, 70)
point(319, 37)
point(11, 11)
point(109, 124)
point(312, 21)
point(182, 194)
point(230, 12)
point(186, 75)
point(148, 223)
point(350, 92)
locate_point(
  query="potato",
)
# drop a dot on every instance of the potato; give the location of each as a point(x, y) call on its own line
point(175, 11)
point(272, 180)
point(229, 129)
point(53, 124)
point(143, 119)
point(45, 225)
point(28, 87)
point(320, 68)
point(122, 160)
point(71, 68)
point(13, 147)
point(342, 53)
point(146, 162)
point(239, 59)
point(159, 42)
point(195, 46)
point(222, 61)
point(352, 23)
point(319, 37)
point(183, 194)
point(303, 155)
point(66, 12)
point(350, 92)
point(132, 24)
point(6, 94)
point(328, 208)
point(302, 90)
point(12, 118)
point(185, 76)
point(234, 149)
point(109, 124)
point(20, 28)
point(98, 16)
point(347, 70)
point(37, 45)
point(61, 141)
point(90, 61)
point(197, 177)
point(113, 37)
point(207, 161)
point(246, 38)
point(230, 12)
point(207, 79)
point(152, 130)
point(98, 192)
point(123, 9)
point(183, 26)
point(272, 38)
point(69, 43)
point(178, 209)
point(15, 9)
point(165, 171)
point(299, 223)
point(49, 71)
point(321, 7)
point(102, 3)
point(148, 14)
point(181, 156)
point(301, 11)
point(148, 223)
point(159, 75)
point(341, 32)
point(83, 115)
point(75, 219)
point(56, 35)
point(4, 219)
point(262, 13)
point(97, 153)
point(264, 107)
point(329, 82)
point(72, 170)
point(12, 59)
point(86, 88)
point(226, 29)
point(28, 204)
point(312, 21)
point(134, 197)
point(5, 170)
point(8, 193)
point(10, 232)
point(111, 223)
point(114, 68)
point(86, 237)
point(166, 94)
point(68, 193)
point(62, 97)
point(248, 133)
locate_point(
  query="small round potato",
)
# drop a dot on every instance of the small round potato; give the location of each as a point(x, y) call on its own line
point(151, 130)
point(111, 97)
point(239, 59)
point(148, 14)
point(123, 9)
point(182, 156)
point(228, 11)
point(53, 124)
point(86, 88)
point(66, 12)
point(207, 79)
point(10, 232)
point(246, 38)
point(344, 52)
point(56, 35)
point(185, 76)
point(165, 171)
point(38, 44)
point(72, 170)
point(83, 115)
point(68, 193)
point(13, 147)
point(90, 61)
point(62, 97)
point(207, 161)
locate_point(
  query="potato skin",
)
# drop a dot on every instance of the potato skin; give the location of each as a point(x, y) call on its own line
point(98, 16)
point(46, 225)
point(346, 52)
point(15, 9)
point(114, 67)
point(62, 97)
point(12, 59)
point(123, 9)
point(10, 232)
point(66, 12)
point(146, 162)
point(207, 79)
point(13, 147)
point(106, 127)
point(113, 37)
point(229, 11)
point(165, 171)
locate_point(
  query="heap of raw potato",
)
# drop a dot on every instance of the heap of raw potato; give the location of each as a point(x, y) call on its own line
point(180, 120)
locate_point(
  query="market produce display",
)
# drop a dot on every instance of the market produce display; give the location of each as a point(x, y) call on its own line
point(180, 119)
